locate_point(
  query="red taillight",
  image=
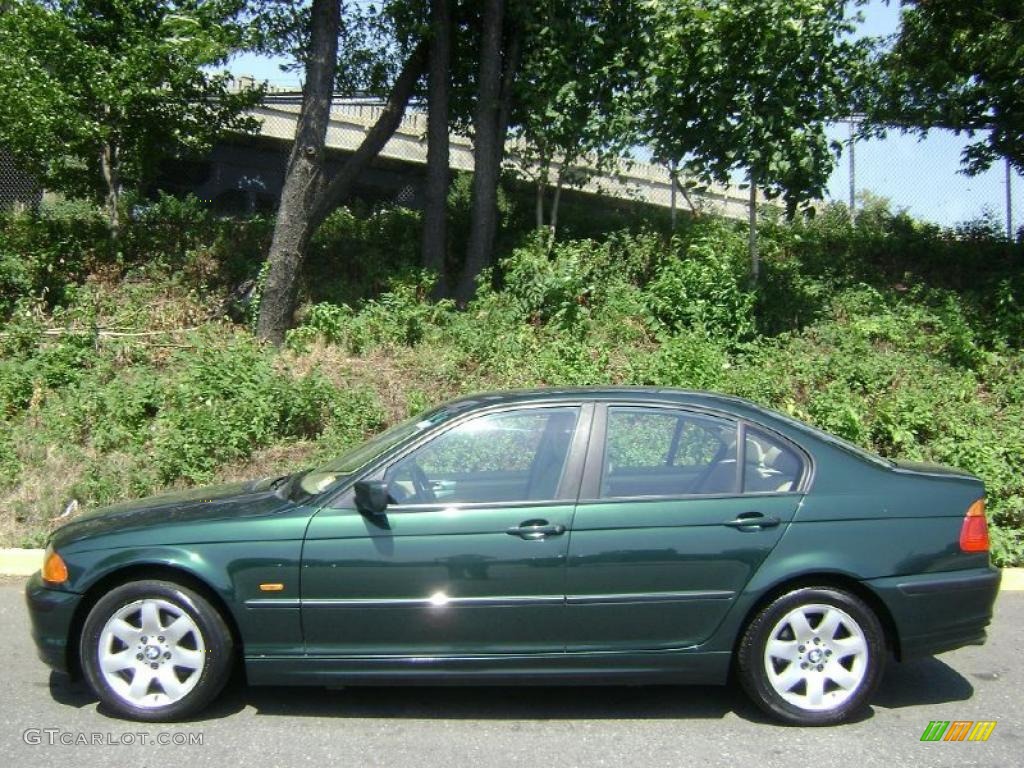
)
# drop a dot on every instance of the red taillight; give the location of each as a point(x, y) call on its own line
point(974, 531)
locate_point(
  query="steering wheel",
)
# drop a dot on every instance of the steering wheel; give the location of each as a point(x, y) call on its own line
point(424, 491)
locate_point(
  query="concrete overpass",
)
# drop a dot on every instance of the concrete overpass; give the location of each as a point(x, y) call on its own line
point(259, 172)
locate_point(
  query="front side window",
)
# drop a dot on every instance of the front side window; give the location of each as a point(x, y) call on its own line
point(504, 457)
point(324, 476)
point(663, 452)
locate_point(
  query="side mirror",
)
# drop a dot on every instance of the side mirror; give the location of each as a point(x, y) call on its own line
point(371, 496)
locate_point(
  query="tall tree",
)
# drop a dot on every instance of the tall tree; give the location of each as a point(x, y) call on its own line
point(303, 182)
point(579, 66)
point(95, 94)
point(487, 149)
point(435, 209)
point(959, 65)
point(308, 195)
point(746, 87)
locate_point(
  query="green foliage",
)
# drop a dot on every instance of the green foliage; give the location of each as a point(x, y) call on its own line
point(227, 402)
point(94, 94)
point(398, 317)
point(579, 63)
point(356, 254)
point(958, 65)
point(688, 360)
point(747, 85)
point(10, 464)
point(704, 289)
point(902, 337)
point(42, 257)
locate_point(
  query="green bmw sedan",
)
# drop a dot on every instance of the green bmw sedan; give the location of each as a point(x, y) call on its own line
point(626, 535)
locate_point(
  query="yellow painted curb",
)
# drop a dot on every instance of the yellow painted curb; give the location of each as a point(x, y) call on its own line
point(1013, 580)
point(20, 562)
point(25, 562)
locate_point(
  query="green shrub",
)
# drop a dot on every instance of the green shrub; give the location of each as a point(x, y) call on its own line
point(226, 402)
point(703, 289)
point(44, 256)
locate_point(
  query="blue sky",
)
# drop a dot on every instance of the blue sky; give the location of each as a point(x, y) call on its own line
point(921, 176)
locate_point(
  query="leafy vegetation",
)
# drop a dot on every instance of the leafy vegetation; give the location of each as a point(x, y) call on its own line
point(96, 94)
point(957, 65)
point(902, 337)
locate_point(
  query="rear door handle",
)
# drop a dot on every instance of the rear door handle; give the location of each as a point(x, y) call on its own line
point(752, 521)
point(532, 530)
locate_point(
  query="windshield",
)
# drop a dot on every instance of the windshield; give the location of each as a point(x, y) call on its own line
point(319, 479)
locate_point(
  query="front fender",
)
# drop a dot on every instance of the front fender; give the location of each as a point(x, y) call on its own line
point(232, 572)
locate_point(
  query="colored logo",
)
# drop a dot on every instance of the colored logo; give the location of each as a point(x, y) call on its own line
point(958, 730)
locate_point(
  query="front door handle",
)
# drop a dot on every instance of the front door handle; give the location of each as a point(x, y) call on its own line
point(532, 530)
point(752, 521)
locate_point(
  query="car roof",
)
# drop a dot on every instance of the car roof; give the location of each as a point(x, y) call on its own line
point(793, 428)
point(713, 400)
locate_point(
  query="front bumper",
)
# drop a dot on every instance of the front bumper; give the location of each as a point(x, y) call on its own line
point(937, 612)
point(52, 612)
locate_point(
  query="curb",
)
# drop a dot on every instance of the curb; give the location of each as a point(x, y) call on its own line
point(25, 562)
point(20, 562)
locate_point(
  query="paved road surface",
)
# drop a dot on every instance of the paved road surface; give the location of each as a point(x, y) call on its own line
point(485, 727)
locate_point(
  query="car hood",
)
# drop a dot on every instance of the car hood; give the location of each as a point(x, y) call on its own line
point(181, 516)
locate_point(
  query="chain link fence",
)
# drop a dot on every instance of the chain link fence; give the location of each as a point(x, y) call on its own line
point(923, 177)
point(18, 190)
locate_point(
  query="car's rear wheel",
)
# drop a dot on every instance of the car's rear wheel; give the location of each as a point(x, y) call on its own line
point(813, 656)
point(155, 650)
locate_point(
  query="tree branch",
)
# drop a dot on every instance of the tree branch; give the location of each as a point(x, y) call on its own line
point(340, 186)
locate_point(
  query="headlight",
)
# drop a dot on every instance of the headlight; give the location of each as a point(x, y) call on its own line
point(54, 569)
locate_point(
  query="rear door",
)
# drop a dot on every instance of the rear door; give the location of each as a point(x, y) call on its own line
point(664, 537)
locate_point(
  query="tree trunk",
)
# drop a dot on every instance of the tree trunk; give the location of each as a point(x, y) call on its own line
point(303, 177)
point(390, 117)
point(513, 52)
point(307, 198)
point(555, 202)
point(538, 206)
point(435, 210)
point(486, 152)
point(110, 168)
point(755, 258)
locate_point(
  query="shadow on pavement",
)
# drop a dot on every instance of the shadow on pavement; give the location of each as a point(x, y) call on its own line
point(920, 682)
point(497, 703)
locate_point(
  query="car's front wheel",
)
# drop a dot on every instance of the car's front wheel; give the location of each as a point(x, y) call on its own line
point(813, 656)
point(155, 650)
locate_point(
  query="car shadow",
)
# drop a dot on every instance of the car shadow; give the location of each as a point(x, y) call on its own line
point(921, 682)
point(496, 703)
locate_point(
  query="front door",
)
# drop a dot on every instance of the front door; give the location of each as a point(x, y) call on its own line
point(678, 509)
point(469, 556)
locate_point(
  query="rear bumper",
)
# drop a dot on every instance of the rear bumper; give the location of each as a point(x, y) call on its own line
point(51, 612)
point(939, 612)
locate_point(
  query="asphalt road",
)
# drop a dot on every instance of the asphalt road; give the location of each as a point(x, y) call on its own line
point(663, 726)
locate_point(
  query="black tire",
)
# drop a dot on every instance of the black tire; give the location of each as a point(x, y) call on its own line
point(753, 669)
point(213, 647)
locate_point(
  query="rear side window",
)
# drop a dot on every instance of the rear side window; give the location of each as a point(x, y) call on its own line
point(770, 465)
point(665, 452)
